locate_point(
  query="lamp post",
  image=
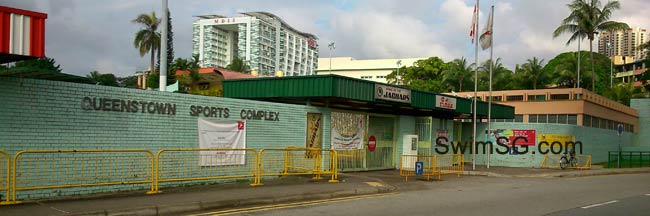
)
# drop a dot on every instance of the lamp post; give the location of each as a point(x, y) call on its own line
point(332, 47)
point(611, 64)
point(399, 76)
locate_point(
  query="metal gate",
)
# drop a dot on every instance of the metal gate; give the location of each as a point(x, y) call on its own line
point(423, 130)
point(383, 156)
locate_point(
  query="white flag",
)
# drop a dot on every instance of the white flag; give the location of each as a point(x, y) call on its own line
point(472, 30)
point(486, 35)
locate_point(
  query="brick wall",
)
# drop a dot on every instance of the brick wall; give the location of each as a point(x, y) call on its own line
point(48, 115)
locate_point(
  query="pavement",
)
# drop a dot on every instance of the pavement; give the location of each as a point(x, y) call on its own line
point(174, 201)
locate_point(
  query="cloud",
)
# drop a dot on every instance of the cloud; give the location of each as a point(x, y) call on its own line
point(85, 35)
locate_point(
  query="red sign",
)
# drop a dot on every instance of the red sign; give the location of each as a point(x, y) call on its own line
point(240, 125)
point(372, 143)
point(528, 134)
point(311, 43)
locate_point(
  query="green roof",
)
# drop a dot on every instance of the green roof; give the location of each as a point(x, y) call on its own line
point(349, 93)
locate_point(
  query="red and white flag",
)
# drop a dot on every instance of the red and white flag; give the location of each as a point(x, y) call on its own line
point(486, 35)
point(472, 30)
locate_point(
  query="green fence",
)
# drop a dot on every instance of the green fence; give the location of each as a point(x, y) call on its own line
point(628, 159)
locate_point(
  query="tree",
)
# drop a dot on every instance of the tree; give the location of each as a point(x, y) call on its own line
point(238, 65)
point(586, 20)
point(562, 70)
point(501, 76)
point(425, 75)
point(533, 71)
point(41, 65)
point(147, 39)
point(459, 73)
point(102, 79)
point(645, 46)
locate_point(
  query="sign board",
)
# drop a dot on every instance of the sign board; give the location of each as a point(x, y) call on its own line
point(419, 168)
point(445, 102)
point(222, 135)
point(372, 143)
point(391, 93)
point(619, 129)
point(314, 130)
point(528, 134)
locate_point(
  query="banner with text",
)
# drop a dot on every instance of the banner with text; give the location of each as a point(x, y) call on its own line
point(390, 93)
point(222, 135)
point(528, 134)
point(445, 102)
point(347, 131)
point(547, 140)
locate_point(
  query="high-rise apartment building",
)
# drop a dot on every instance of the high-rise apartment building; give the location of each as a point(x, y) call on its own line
point(262, 40)
point(624, 44)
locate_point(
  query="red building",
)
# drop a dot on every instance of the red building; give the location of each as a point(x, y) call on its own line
point(22, 34)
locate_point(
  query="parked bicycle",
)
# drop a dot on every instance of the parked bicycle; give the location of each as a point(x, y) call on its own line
point(569, 161)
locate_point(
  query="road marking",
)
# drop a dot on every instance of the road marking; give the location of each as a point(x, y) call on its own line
point(292, 205)
point(647, 194)
point(599, 204)
point(375, 184)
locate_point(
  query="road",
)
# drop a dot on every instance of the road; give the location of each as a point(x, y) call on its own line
point(472, 195)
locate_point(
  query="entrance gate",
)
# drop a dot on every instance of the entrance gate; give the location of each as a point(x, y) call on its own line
point(383, 156)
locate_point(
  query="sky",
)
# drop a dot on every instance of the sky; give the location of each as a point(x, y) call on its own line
point(87, 35)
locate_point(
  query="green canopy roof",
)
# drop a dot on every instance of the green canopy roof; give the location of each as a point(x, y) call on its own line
point(354, 94)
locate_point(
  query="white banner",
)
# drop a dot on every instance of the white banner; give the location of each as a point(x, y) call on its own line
point(445, 102)
point(223, 135)
point(347, 131)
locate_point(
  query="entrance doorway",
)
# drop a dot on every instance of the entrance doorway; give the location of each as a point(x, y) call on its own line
point(383, 129)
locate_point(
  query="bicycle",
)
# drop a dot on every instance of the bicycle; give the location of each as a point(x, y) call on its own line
point(565, 162)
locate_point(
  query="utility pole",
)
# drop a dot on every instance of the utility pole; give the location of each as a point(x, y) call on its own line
point(163, 49)
point(332, 47)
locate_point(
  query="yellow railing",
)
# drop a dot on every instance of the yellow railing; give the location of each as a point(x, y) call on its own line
point(450, 164)
point(194, 164)
point(552, 161)
point(54, 169)
point(298, 161)
point(433, 165)
point(50, 169)
point(407, 165)
point(5, 167)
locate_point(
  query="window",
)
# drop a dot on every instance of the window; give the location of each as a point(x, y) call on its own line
point(536, 97)
point(204, 86)
point(542, 118)
point(559, 96)
point(572, 119)
point(532, 118)
point(519, 118)
point(562, 119)
point(515, 98)
point(496, 98)
point(595, 122)
point(586, 120)
point(552, 118)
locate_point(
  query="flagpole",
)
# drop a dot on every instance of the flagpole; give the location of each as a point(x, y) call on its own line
point(489, 129)
point(475, 88)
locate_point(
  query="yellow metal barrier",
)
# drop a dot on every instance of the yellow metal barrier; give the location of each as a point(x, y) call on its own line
point(450, 164)
point(5, 166)
point(298, 161)
point(552, 161)
point(407, 165)
point(194, 164)
point(51, 169)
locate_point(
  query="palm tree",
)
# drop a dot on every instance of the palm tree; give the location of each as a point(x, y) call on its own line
point(501, 76)
point(147, 39)
point(534, 71)
point(586, 20)
point(459, 72)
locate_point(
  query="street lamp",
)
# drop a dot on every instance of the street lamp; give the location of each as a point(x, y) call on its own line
point(611, 64)
point(399, 76)
point(332, 47)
